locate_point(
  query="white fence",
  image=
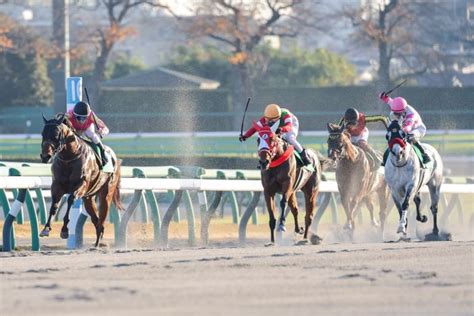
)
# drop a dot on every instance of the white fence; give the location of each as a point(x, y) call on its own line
point(197, 185)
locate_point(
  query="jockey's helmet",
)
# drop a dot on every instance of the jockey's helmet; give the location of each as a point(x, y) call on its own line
point(398, 105)
point(272, 111)
point(351, 116)
point(81, 111)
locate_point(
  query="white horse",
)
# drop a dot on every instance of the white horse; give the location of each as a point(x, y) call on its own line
point(405, 176)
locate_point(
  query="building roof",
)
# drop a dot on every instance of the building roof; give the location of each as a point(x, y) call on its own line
point(160, 77)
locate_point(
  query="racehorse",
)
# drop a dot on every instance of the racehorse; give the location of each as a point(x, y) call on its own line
point(356, 181)
point(280, 173)
point(76, 172)
point(405, 176)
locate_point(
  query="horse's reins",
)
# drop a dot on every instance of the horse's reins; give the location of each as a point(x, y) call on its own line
point(62, 144)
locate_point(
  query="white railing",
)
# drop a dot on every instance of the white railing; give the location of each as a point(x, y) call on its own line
point(197, 185)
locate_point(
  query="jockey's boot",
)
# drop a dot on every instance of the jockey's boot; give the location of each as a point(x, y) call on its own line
point(304, 157)
point(424, 155)
point(375, 156)
point(385, 157)
point(103, 156)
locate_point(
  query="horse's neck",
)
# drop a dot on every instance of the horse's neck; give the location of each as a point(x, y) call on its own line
point(350, 148)
point(72, 147)
point(281, 148)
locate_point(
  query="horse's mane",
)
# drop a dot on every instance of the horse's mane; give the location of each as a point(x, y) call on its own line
point(351, 151)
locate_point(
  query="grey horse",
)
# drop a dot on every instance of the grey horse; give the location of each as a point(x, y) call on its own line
point(405, 176)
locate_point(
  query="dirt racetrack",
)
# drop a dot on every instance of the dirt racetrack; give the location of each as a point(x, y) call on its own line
point(414, 278)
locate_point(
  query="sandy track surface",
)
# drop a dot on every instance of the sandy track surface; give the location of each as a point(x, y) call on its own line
point(340, 279)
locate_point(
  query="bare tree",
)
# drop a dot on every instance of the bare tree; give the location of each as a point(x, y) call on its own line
point(116, 29)
point(398, 29)
point(241, 26)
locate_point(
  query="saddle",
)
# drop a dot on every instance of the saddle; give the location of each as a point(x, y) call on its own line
point(110, 166)
point(417, 152)
point(300, 163)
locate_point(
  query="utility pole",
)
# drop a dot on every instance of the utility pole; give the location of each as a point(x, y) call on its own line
point(60, 66)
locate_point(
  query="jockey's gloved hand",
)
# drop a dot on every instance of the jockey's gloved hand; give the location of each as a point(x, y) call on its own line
point(278, 131)
point(383, 96)
point(242, 138)
point(410, 138)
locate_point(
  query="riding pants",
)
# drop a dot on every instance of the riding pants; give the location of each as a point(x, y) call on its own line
point(418, 132)
point(290, 136)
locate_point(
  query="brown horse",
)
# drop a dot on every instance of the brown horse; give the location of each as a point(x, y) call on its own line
point(282, 174)
point(355, 181)
point(76, 172)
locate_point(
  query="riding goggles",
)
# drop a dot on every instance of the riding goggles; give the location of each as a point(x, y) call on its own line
point(80, 118)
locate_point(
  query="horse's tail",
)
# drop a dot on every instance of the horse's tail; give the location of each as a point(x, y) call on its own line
point(116, 198)
point(324, 162)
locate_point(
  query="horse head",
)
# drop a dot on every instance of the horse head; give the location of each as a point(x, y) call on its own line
point(54, 135)
point(396, 142)
point(336, 141)
point(268, 145)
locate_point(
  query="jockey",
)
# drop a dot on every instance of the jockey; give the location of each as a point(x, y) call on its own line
point(287, 127)
point(410, 120)
point(354, 122)
point(85, 122)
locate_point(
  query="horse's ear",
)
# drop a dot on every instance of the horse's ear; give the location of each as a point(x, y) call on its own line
point(341, 128)
point(60, 117)
point(66, 121)
point(44, 118)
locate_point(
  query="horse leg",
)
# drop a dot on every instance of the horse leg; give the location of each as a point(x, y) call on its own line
point(396, 200)
point(270, 201)
point(382, 194)
point(435, 194)
point(310, 203)
point(346, 205)
point(105, 199)
point(419, 217)
point(64, 229)
point(293, 204)
point(56, 195)
point(91, 208)
point(369, 202)
point(283, 204)
point(403, 224)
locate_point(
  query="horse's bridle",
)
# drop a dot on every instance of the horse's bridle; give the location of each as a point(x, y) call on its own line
point(272, 150)
point(342, 152)
point(62, 141)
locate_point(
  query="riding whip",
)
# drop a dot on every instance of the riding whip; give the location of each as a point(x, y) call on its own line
point(398, 86)
point(243, 119)
point(93, 115)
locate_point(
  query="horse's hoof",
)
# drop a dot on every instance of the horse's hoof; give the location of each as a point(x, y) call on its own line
point(315, 239)
point(302, 242)
point(401, 229)
point(45, 232)
point(423, 219)
point(300, 231)
point(375, 223)
point(281, 228)
point(64, 234)
point(404, 238)
point(438, 237)
point(270, 244)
